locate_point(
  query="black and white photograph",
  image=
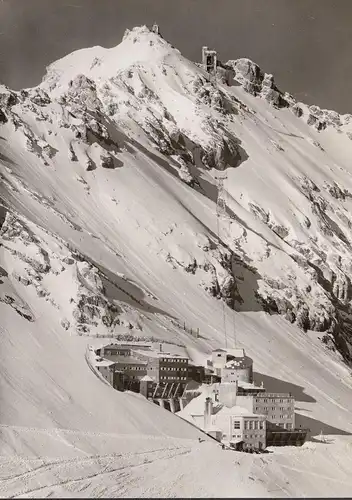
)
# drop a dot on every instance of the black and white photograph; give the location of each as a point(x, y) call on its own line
point(175, 249)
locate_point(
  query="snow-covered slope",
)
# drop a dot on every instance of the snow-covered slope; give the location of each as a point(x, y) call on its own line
point(108, 227)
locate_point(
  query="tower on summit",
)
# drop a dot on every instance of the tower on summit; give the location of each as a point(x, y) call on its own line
point(209, 60)
point(156, 29)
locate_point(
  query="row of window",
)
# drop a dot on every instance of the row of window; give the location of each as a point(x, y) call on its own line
point(171, 368)
point(173, 360)
point(249, 424)
point(272, 400)
point(125, 354)
point(172, 378)
point(131, 367)
point(254, 424)
point(266, 408)
point(281, 417)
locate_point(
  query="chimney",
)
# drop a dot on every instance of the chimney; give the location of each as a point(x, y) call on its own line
point(208, 411)
point(160, 347)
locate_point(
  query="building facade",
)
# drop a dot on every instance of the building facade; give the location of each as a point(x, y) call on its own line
point(209, 60)
point(240, 428)
point(196, 373)
point(164, 367)
point(107, 368)
point(132, 368)
point(118, 380)
point(278, 408)
point(122, 348)
point(231, 365)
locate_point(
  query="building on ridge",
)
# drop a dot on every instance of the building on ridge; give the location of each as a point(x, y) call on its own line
point(156, 29)
point(209, 60)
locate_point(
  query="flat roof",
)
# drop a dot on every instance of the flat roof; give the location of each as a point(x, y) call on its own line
point(127, 360)
point(104, 362)
point(275, 395)
point(243, 385)
point(159, 354)
point(122, 344)
point(248, 385)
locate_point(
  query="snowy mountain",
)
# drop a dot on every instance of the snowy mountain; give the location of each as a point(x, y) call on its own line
point(109, 228)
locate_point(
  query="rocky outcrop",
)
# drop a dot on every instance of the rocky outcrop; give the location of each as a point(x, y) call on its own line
point(83, 93)
point(258, 83)
point(92, 309)
point(223, 153)
point(107, 160)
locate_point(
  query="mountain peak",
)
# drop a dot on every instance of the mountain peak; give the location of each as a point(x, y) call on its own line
point(139, 46)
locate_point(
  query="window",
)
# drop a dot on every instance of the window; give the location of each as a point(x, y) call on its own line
point(273, 407)
point(250, 424)
point(261, 424)
point(237, 424)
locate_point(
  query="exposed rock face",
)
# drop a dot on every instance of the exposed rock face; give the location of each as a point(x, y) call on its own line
point(223, 154)
point(93, 309)
point(3, 117)
point(257, 83)
point(248, 74)
point(107, 160)
point(82, 92)
point(261, 84)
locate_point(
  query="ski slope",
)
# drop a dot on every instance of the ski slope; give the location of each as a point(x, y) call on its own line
point(108, 226)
